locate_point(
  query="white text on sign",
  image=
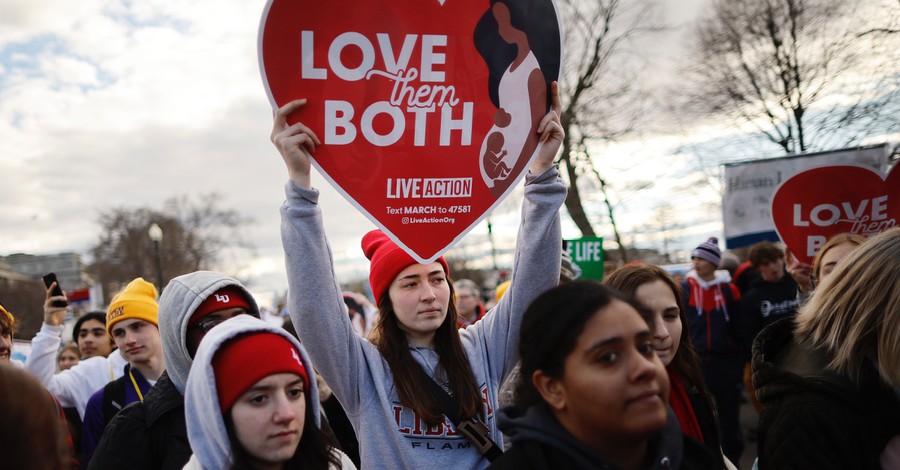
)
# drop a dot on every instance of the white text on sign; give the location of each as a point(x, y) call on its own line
point(342, 121)
point(404, 188)
point(867, 217)
point(586, 251)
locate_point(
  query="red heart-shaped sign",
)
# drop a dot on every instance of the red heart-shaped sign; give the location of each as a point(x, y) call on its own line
point(427, 110)
point(814, 205)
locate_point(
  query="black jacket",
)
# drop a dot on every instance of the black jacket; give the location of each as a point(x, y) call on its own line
point(764, 304)
point(541, 443)
point(148, 435)
point(814, 418)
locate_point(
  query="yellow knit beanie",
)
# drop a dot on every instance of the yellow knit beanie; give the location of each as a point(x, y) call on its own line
point(501, 289)
point(137, 300)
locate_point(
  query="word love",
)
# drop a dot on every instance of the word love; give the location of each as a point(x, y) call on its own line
point(394, 63)
point(866, 217)
point(342, 125)
point(816, 204)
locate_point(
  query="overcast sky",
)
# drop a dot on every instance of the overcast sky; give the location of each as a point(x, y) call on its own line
point(127, 103)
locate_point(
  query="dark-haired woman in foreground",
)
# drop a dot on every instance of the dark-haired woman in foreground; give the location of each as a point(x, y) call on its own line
point(593, 391)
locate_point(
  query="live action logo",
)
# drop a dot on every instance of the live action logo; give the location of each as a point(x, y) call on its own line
point(403, 188)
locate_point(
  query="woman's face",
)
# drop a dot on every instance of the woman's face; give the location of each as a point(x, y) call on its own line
point(269, 417)
point(832, 256)
point(67, 359)
point(614, 386)
point(420, 295)
point(658, 297)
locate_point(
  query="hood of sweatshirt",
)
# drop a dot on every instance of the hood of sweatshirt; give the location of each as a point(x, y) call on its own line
point(538, 424)
point(177, 303)
point(205, 424)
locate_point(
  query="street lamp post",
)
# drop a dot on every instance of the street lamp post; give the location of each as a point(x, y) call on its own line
point(156, 235)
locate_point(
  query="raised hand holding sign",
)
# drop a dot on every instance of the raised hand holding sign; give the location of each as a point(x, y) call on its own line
point(424, 117)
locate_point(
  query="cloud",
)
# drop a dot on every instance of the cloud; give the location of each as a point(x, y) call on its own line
point(126, 104)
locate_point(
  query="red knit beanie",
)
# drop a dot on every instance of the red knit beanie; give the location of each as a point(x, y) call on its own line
point(388, 260)
point(226, 297)
point(247, 359)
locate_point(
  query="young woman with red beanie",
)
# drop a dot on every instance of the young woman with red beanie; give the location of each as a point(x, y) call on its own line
point(251, 401)
point(387, 386)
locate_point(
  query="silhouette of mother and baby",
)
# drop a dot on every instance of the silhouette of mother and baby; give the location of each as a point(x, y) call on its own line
point(520, 42)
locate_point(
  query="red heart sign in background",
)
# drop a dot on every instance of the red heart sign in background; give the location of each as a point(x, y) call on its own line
point(814, 205)
point(427, 110)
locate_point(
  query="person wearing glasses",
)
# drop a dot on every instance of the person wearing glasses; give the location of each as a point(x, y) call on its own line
point(152, 434)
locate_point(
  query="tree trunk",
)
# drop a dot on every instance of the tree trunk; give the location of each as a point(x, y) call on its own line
point(573, 198)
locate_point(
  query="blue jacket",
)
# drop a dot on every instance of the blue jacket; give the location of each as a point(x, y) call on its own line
point(94, 419)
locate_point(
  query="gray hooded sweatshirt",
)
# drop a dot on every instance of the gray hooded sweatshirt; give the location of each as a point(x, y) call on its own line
point(205, 425)
point(128, 441)
point(179, 300)
point(391, 435)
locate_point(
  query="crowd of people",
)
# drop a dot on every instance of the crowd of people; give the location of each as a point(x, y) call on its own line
point(640, 371)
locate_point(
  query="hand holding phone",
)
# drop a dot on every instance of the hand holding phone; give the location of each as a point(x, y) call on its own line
point(49, 279)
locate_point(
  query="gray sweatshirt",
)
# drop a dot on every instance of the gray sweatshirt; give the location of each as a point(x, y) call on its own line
point(391, 436)
point(205, 425)
point(178, 301)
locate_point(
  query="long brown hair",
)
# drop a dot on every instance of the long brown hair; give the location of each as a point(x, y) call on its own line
point(685, 364)
point(31, 430)
point(410, 379)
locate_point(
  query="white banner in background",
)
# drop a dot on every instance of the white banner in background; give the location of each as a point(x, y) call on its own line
point(749, 187)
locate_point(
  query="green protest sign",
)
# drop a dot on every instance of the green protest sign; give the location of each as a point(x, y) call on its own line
point(587, 253)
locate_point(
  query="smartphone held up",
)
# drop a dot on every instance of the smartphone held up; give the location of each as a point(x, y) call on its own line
point(49, 279)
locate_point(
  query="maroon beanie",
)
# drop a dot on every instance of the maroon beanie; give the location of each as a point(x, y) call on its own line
point(245, 360)
point(388, 260)
point(226, 297)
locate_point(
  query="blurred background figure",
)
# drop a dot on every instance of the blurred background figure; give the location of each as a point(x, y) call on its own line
point(469, 306)
point(713, 306)
point(7, 327)
point(828, 377)
point(68, 356)
point(90, 334)
point(357, 314)
point(834, 250)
